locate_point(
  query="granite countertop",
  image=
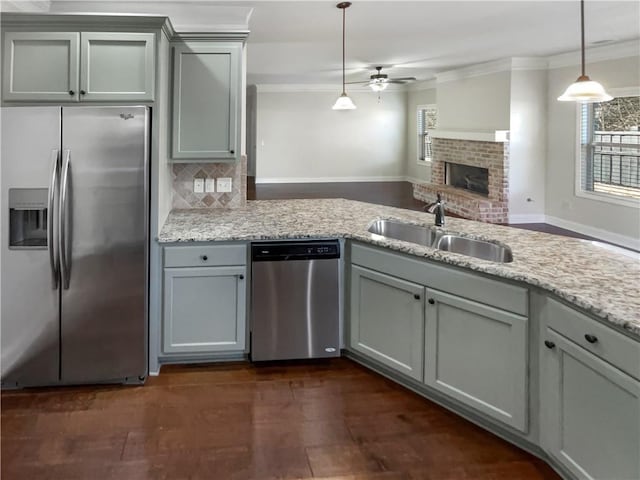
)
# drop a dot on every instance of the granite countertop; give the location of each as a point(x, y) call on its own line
point(587, 274)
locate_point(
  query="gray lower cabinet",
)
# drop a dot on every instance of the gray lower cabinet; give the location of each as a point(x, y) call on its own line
point(78, 66)
point(206, 101)
point(387, 320)
point(477, 354)
point(590, 412)
point(204, 309)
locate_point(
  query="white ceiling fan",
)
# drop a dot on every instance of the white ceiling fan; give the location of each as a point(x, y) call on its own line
point(379, 81)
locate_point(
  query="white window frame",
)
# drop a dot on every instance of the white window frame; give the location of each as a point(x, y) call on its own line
point(599, 196)
point(419, 108)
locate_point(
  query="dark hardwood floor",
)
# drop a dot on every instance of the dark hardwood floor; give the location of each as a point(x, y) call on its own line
point(330, 419)
point(393, 194)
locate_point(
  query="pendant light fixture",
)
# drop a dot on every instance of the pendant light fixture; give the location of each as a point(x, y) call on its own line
point(343, 102)
point(584, 90)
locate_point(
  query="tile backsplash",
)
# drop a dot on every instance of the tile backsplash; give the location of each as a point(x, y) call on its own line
point(184, 174)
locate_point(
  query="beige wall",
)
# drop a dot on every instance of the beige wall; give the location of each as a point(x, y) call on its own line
point(527, 147)
point(606, 220)
point(479, 103)
point(414, 170)
point(300, 138)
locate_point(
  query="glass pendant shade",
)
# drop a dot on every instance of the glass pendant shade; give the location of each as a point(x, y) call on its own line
point(585, 90)
point(344, 103)
point(378, 86)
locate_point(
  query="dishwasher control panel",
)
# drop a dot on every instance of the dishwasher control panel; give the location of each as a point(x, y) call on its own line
point(273, 252)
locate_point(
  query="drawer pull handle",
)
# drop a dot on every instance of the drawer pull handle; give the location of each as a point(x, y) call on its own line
point(416, 296)
point(241, 277)
point(431, 301)
point(71, 92)
point(590, 338)
point(204, 258)
point(549, 344)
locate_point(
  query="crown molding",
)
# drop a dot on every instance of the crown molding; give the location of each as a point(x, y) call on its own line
point(613, 51)
point(421, 85)
point(495, 66)
point(319, 88)
point(84, 21)
point(213, 35)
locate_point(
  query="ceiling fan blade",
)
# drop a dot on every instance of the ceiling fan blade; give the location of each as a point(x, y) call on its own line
point(366, 82)
point(402, 79)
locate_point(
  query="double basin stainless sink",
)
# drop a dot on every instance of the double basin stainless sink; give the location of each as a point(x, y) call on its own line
point(434, 238)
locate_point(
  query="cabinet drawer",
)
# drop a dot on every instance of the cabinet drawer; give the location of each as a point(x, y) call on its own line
point(502, 295)
point(614, 347)
point(205, 256)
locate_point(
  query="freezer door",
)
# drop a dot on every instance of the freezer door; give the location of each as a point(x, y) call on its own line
point(30, 303)
point(103, 242)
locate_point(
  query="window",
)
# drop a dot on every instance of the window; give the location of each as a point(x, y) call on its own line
point(427, 120)
point(609, 160)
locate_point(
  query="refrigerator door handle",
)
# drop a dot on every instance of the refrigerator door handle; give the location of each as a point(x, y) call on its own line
point(62, 223)
point(51, 219)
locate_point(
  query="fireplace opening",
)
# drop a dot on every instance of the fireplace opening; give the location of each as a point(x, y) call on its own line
point(474, 179)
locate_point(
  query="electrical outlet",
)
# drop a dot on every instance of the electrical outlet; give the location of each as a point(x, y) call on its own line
point(210, 185)
point(224, 184)
point(198, 185)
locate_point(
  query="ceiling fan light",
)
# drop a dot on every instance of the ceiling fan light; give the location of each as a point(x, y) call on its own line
point(585, 90)
point(344, 103)
point(378, 86)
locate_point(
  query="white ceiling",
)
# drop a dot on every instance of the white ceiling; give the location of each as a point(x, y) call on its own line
point(294, 42)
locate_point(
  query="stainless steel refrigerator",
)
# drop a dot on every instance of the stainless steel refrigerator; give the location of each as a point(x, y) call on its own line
point(74, 245)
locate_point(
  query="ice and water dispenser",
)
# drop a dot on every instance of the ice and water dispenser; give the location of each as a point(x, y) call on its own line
point(28, 217)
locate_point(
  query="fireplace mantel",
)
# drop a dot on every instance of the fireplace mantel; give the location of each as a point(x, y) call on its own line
point(480, 136)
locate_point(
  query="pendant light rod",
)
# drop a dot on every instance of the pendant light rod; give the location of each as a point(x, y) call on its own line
point(582, 35)
point(343, 6)
point(344, 102)
point(584, 90)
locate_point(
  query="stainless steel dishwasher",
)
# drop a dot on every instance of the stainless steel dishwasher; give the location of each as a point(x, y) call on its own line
point(295, 300)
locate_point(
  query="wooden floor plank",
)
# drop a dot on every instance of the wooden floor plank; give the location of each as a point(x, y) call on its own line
point(330, 419)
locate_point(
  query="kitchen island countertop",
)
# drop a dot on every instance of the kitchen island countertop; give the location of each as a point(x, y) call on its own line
point(590, 275)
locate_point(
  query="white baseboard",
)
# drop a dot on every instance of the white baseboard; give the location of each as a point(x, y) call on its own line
point(400, 178)
point(622, 240)
point(527, 218)
point(415, 180)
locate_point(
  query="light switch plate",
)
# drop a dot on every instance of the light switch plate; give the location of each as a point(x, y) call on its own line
point(224, 184)
point(210, 185)
point(198, 185)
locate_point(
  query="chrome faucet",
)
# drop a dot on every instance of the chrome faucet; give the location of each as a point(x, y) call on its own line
point(438, 209)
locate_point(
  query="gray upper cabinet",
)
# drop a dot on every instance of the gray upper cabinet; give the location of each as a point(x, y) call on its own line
point(40, 66)
point(590, 412)
point(477, 354)
point(387, 320)
point(206, 101)
point(117, 66)
point(77, 67)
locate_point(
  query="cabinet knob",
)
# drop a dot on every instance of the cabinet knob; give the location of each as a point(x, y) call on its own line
point(431, 301)
point(549, 344)
point(590, 338)
point(241, 277)
point(416, 296)
point(232, 151)
point(72, 92)
point(82, 92)
point(204, 258)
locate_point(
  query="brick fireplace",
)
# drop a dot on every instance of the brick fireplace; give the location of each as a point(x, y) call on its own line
point(493, 156)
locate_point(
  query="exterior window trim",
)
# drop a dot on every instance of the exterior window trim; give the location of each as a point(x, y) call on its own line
point(419, 108)
point(599, 196)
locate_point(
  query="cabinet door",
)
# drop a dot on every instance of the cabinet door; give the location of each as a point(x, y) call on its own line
point(40, 66)
point(204, 309)
point(206, 80)
point(387, 322)
point(590, 412)
point(117, 66)
point(478, 355)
